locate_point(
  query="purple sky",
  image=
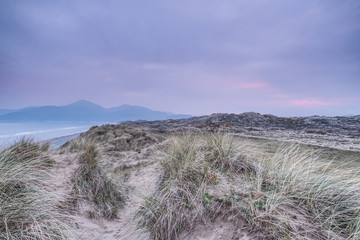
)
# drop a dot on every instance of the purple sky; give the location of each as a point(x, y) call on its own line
point(284, 57)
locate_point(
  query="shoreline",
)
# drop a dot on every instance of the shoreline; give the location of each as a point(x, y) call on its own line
point(59, 141)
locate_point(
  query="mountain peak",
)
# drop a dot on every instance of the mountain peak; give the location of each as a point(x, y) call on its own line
point(85, 111)
point(83, 103)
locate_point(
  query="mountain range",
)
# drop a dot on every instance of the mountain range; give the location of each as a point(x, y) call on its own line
point(85, 111)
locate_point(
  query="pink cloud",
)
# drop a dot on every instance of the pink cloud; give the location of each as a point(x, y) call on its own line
point(312, 102)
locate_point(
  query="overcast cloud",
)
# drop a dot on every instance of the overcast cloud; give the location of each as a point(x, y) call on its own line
point(285, 57)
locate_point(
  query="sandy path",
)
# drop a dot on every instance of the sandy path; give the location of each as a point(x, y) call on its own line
point(141, 182)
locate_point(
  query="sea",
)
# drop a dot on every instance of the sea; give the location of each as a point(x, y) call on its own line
point(57, 132)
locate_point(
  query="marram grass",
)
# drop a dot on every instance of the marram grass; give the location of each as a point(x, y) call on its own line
point(92, 185)
point(27, 208)
point(177, 201)
point(290, 194)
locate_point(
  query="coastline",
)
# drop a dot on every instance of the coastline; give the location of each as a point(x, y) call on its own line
point(57, 133)
point(58, 141)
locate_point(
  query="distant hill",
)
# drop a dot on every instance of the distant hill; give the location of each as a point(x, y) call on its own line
point(5, 111)
point(86, 112)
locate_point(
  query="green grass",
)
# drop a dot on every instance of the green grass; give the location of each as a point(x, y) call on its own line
point(28, 210)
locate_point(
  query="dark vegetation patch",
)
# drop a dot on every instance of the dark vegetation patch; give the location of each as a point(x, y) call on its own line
point(117, 138)
point(94, 187)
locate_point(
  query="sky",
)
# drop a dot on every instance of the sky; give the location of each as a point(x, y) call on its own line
point(283, 57)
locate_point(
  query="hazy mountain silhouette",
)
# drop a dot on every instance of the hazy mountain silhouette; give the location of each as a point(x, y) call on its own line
point(5, 111)
point(85, 111)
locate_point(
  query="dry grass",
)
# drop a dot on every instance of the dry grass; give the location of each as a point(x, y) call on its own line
point(92, 185)
point(227, 153)
point(294, 195)
point(28, 209)
point(74, 145)
point(177, 203)
point(287, 195)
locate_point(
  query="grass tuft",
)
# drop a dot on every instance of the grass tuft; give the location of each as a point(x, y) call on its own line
point(178, 201)
point(91, 184)
point(295, 195)
point(74, 145)
point(28, 209)
point(228, 153)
